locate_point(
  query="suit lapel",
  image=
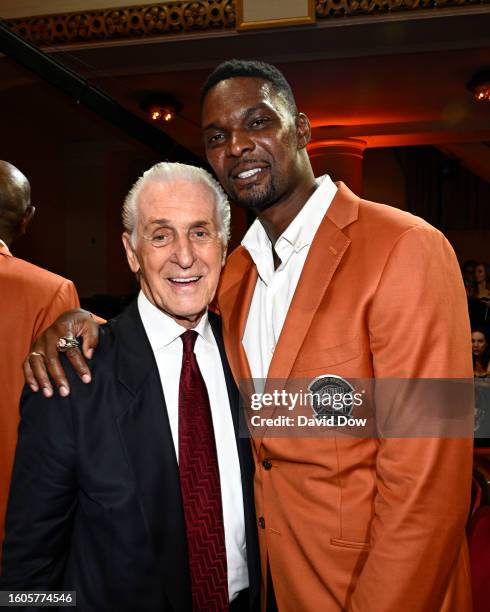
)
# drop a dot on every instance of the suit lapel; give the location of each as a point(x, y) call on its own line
point(326, 252)
point(215, 323)
point(145, 433)
point(234, 305)
point(327, 249)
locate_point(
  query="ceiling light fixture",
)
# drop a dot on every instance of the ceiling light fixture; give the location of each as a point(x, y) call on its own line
point(161, 108)
point(480, 86)
point(161, 113)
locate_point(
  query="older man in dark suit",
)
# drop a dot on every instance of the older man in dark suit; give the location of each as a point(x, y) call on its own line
point(136, 490)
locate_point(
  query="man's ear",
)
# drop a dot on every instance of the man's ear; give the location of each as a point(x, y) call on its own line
point(26, 219)
point(133, 262)
point(303, 130)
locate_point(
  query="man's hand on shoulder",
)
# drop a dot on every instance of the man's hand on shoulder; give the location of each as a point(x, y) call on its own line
point(43, 361)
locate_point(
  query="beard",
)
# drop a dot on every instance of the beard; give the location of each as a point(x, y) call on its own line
point(256, 199)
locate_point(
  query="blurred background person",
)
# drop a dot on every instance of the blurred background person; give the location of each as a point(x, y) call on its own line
point(481, 371)
point(478, 292)
point(32, 298)
point(482, 282)
point(481, 353)
point(482, 287)
point(468, 272)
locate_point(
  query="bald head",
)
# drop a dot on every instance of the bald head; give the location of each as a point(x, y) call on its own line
point(15, 202)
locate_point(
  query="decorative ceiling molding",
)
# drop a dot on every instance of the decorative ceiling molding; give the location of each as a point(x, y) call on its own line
point(340, 8)
point(184, 17)
point(152, 20)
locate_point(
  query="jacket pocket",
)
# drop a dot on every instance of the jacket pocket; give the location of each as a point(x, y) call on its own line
point(349, 544)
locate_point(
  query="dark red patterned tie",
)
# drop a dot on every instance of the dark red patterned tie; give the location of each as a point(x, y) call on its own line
point(200, 485)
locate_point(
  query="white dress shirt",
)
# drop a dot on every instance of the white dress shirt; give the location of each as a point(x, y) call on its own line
point(164, 336)
point(274, 289)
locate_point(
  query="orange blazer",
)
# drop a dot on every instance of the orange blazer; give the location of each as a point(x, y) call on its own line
point(363, 524)
point(31, 299)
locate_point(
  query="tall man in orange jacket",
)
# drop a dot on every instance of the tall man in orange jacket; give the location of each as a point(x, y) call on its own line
point(327, 283)
point(31, 299)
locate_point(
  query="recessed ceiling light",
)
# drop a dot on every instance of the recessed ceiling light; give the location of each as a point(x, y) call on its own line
point(480, 86)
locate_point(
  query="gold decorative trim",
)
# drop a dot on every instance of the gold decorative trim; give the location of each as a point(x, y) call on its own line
point(126, 23)
point(179, 17)
point(336, 8)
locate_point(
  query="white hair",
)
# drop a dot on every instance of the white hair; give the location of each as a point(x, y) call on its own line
point(166, 173)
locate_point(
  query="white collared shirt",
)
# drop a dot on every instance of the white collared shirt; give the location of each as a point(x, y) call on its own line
point(164, 336)
point(274, 289)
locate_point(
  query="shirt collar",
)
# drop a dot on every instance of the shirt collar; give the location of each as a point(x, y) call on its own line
point(299, 233)
point(162, 330)
point(4, 248)
point(302, 229)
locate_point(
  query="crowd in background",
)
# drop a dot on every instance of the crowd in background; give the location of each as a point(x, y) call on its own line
point(477, 283)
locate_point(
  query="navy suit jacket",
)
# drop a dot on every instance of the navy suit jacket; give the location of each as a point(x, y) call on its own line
point(95, 503)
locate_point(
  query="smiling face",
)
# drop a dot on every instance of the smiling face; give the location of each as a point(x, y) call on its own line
point(253, 142)
point(178, 252)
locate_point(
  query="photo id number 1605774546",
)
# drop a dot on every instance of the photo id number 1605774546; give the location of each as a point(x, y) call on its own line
point(47, 599)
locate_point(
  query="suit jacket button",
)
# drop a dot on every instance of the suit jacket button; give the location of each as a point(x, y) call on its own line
point(261, 522)
point(267, 464)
